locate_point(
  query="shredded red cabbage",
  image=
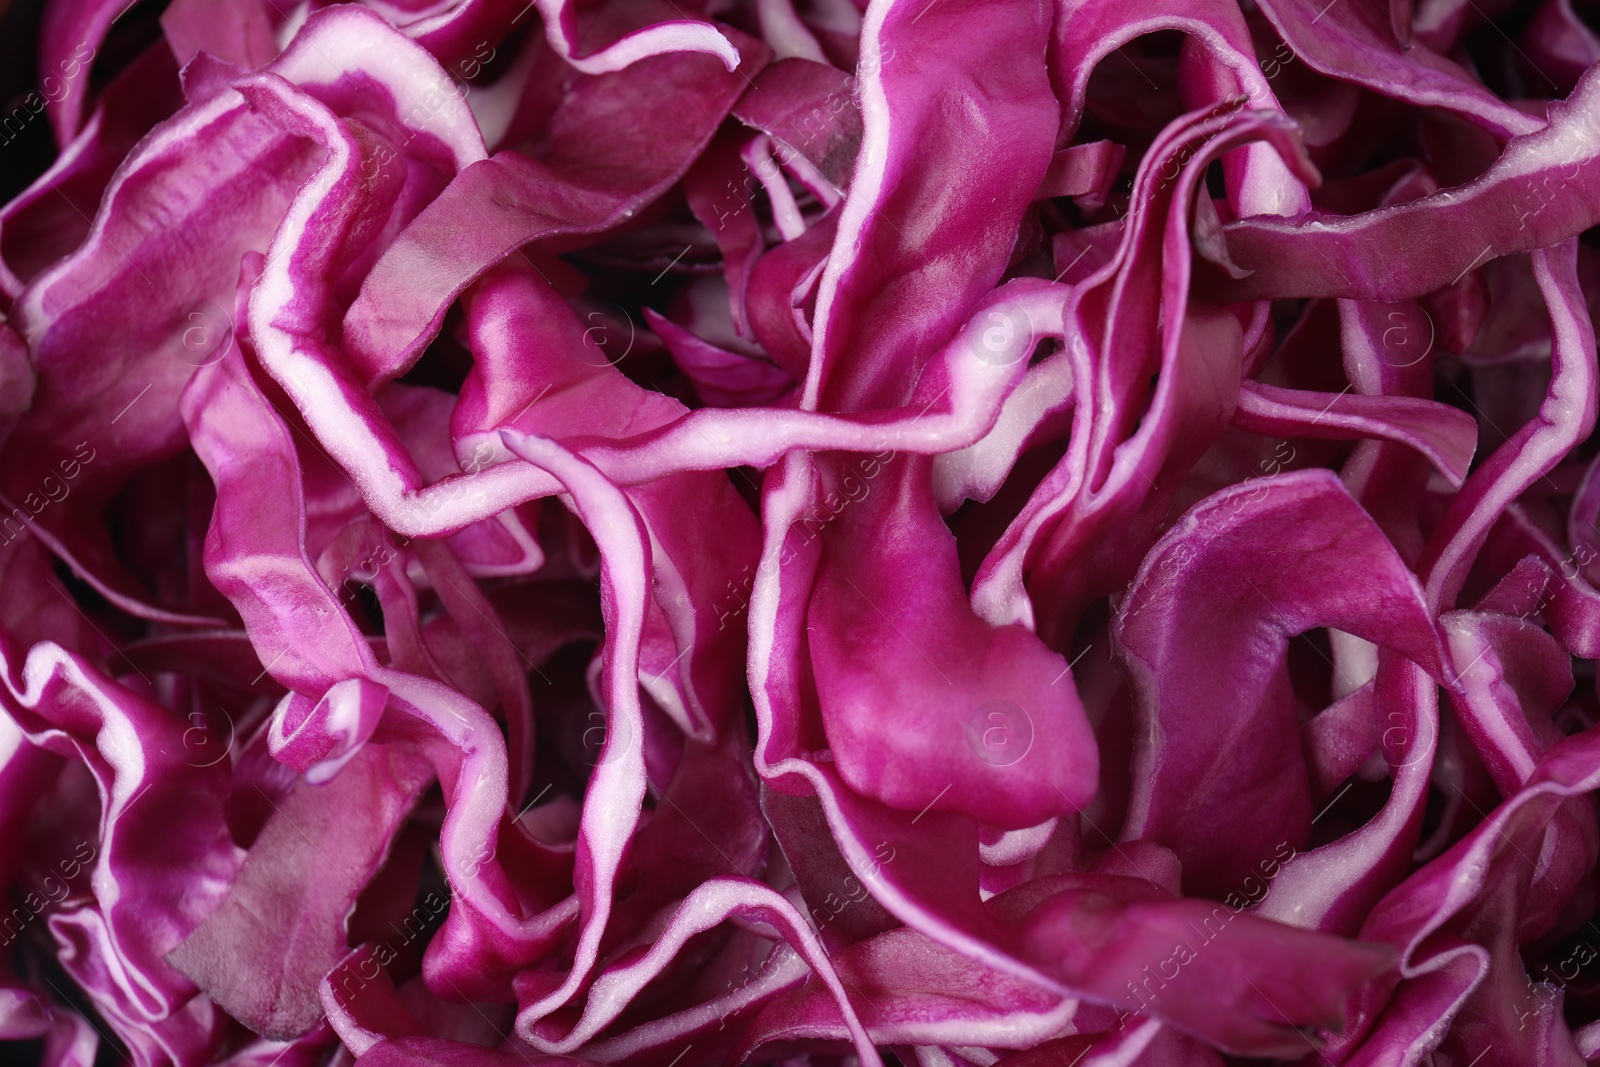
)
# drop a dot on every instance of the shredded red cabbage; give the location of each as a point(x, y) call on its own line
point(699, 533)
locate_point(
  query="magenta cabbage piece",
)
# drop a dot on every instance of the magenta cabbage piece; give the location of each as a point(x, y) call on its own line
point(666, 533)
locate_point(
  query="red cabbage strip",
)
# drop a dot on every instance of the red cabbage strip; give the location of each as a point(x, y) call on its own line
point(1561, 43)
point(1565, 417)
point(1446, 436)
point(255, 554)
point(47, 220)
point(614, 35)
point(25, 770)
point(1224, 73)
point(161, 855)
point(152, 221)
point(900, 859)
point(808, 109)
point(559, 383)
point(1568, 411)
point(1543, 189)
point(905, 236)
point(626, 563)
point(1106, 478)
point(762, 533)
point(915, 991)
point(72, 33)
point(443, 1052)
point(1437, 970)
point(580, 184)
point(1342, 41)
point(726, 209)
point(1390, 350)
point(243, 35)
point(1194, 772)
point(723, 379)
point(261, 954)
point(906, 710)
